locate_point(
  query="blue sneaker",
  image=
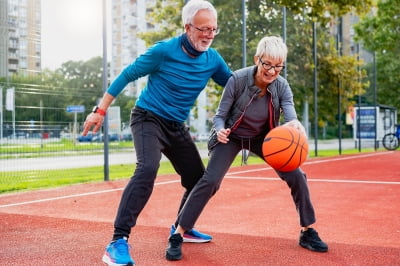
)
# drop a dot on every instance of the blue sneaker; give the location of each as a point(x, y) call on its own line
point(193, 236)
point(117, 253)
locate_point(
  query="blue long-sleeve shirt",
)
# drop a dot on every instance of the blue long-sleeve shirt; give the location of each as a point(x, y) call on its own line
point(174, 78)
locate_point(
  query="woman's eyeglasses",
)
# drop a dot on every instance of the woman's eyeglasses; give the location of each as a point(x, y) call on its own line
point(268, 66)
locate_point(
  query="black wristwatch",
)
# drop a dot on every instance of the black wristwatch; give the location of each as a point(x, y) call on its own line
point(97, 110)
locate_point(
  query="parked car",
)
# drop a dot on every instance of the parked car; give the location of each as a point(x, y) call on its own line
point(111, 137)
point(126, 134)
point(114, 137)
point(89, 137)
point(126, 137)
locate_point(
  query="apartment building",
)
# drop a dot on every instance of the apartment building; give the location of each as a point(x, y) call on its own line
point(128, 19)
point(20, 37)
point(349, 45)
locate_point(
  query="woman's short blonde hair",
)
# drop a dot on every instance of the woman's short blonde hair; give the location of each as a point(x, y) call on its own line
point(272, 46)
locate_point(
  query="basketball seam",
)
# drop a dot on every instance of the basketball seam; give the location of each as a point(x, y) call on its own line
point(293, 153)
point(290, 144)
point(299, 148)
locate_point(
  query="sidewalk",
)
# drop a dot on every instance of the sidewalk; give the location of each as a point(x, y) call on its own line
point(334, 144)
point(79, 161)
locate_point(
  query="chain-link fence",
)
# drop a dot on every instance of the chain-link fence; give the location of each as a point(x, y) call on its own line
point(41, 145)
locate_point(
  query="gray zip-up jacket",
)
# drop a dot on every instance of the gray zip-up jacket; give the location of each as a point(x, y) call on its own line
point(280, 100)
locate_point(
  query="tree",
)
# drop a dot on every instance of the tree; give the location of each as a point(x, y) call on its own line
point(82, 78)
point(380, 33)
point(339, 76)
point(165, 16)
point(265, 18)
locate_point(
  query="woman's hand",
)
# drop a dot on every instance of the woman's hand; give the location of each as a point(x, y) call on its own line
point(296, 124)
point(222, 135)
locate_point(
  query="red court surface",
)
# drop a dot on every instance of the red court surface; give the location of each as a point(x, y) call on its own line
point(252, 218)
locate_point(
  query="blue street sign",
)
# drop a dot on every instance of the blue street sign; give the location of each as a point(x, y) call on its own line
point(75, 108)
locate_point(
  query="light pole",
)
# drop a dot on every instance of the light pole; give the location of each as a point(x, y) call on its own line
point(339, 84)
point(375, 102)
point(315, 88)
point(105, 84)
point(244, 36)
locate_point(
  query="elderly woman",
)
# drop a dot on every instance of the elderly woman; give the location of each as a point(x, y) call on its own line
point(251, 104)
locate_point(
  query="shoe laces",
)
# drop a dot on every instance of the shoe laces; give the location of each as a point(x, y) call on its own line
point(122, 247)
point(175, 241)
point(313, 234)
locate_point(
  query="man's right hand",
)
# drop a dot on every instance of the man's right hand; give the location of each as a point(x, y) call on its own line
point(93, 120)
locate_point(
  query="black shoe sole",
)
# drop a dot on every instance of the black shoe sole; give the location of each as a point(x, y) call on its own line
point(312, 249)
point(173, 257)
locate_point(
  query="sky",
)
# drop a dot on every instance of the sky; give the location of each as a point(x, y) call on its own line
point(72, 30)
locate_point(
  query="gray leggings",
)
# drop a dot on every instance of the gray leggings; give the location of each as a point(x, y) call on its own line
point(221, 158)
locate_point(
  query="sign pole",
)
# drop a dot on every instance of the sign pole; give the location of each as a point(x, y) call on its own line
point(315, 58)
point(74, 134)
point(1, 111)
point(41, 123)
point(75, 109)
point(105, 85)
point(10, 105)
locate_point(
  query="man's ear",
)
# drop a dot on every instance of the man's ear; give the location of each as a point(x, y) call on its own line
point(187, 26)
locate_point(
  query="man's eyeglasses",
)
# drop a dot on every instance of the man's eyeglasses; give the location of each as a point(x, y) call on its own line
point(206, 31)
point(268, 66)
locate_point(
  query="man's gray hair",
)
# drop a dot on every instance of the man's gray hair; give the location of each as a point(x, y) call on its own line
point(192, 7)
point(273, 47)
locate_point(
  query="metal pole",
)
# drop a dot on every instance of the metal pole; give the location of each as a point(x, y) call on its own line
point(244, 57)
point(359, 99)
point(41, 123)
point(284, 35)
point(244, 48)
point(375, 104)
point(13, 111)
point(315, 88)
point(1, 111)
point(105, 85)
point(339, 50)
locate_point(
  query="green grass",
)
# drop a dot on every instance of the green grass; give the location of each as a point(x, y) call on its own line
point(63, 147)
point(55, 178)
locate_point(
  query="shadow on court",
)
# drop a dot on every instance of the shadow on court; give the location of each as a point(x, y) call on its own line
point(252, 219)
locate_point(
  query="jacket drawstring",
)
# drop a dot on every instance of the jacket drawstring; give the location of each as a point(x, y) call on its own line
point(245, 155)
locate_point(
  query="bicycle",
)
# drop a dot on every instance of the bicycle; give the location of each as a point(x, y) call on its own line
point(391, 140)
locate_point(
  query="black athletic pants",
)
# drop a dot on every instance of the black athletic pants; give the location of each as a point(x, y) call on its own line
point(152, 136)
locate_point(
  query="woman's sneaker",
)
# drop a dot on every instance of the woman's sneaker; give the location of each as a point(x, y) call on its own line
point(117, 253)
point(193, 236)
point(310, 240)
point(174, 249)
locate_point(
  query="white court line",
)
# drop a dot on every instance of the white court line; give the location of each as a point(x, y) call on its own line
point(318, 180)
point(228, 176)
point(313, 162)
point(76, 195)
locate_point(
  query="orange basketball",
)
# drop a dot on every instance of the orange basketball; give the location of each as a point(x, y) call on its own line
point(285, 148)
